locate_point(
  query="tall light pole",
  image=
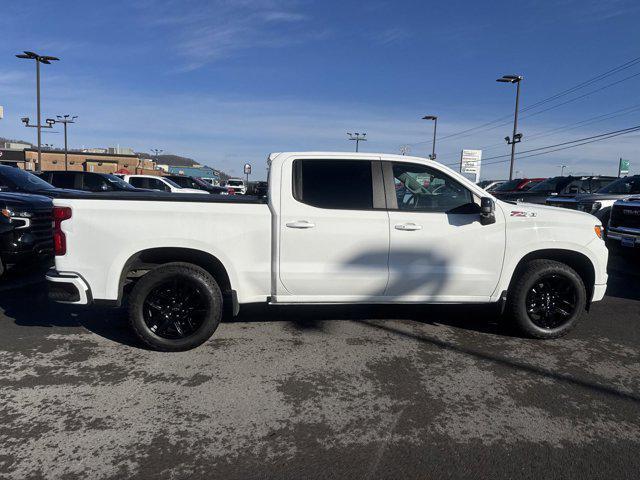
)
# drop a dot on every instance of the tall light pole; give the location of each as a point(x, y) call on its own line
point(357, 137)
point(65, 119)
point(517, 137)
point(435, 127)
point(156, 152)
point(46, 60)
point(562, 167)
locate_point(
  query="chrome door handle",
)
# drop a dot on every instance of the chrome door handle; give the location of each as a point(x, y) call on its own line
point(408, 227)
point(301, 224)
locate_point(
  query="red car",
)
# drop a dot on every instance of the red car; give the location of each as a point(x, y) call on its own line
point(518, 185)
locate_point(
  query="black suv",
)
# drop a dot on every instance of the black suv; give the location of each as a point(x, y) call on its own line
point(624, 224)
point(557, 189)
point(87, 181)
point(193, 182)
point(26, 231)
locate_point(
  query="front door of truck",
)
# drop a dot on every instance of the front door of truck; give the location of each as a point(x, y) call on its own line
point(439, 250)
point(334, 230)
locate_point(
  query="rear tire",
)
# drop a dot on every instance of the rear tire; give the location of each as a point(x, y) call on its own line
point(546, 299)
point(175, 307)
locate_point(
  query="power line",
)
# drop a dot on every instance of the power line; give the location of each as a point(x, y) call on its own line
point(490, 125)
point(591, 139)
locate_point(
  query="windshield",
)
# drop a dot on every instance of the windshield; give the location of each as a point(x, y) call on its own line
point(508, 186)
point(530, 185)
point(118, 181)
point(235, 183)
point(171, 182)
point(18, 179)
point(623, 186)
point(550, 184)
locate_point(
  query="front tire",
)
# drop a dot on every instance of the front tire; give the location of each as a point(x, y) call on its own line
point(546, 299)
point(175, 307)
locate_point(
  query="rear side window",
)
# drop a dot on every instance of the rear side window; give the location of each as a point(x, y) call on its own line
point(336, 184)
point(63, 179)
point(139, 182)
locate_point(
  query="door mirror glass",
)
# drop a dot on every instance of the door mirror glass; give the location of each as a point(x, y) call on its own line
point(487, 211)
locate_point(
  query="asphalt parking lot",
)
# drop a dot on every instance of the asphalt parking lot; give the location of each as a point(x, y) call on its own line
point(335, 392)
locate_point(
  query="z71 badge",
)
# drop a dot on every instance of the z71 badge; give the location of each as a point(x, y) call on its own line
point(518, 213)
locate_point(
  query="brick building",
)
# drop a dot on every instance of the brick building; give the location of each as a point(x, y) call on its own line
point(80, 161)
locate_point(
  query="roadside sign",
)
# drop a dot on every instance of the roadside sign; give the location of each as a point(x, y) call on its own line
point(623, 167)
point(470, 161)
point(247, 168)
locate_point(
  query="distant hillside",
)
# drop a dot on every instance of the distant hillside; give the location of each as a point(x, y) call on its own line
point(178, 161)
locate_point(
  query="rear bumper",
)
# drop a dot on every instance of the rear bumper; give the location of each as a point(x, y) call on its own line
point(68, 287)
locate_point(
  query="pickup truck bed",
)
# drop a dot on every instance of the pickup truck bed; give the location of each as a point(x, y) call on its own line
point(159, 197)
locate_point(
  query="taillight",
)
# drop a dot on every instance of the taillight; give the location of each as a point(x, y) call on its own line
point(60, 214)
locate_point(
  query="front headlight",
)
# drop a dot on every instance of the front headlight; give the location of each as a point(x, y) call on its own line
point(596, 206)
point(9, 213)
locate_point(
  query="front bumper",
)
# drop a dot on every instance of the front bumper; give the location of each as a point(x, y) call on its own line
point(628, 237)
point(68, 287)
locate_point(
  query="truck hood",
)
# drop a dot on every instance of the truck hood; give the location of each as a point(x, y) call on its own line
point(24, 200)
point(595, 197)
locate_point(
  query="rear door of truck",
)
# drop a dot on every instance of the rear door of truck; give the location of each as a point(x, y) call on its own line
point(334, 228)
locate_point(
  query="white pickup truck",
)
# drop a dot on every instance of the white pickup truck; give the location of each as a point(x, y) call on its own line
point(337, 228)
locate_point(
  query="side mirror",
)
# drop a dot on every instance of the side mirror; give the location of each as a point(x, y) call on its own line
point(487, 211)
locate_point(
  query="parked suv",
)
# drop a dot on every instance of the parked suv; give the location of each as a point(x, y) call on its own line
point(560, 188)
point(162, 184)
point(198, 184)
point(601, 202)
point(238, 185)
point(26, 232)
point(87, 181)
point(624, 224)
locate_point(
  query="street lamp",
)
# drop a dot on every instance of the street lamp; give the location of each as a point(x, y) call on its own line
point(65, 119)
point(46, 60)
point(517, 137)
point(156, 152)
point(562, 167)
point(357, 137)
point(435, 126)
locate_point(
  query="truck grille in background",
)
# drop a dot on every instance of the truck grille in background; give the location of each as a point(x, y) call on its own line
point(42, 229)
point(585, 206)
point(625, 216)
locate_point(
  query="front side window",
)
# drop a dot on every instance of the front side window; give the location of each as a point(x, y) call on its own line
point(421, 188)
point(335, 184)
point(156, 184)
point(95, 183)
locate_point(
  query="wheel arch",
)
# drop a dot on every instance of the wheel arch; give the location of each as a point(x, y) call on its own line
point(150, 258)
point(574, 259)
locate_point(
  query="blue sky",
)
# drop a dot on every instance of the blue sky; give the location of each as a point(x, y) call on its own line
point(227, 82)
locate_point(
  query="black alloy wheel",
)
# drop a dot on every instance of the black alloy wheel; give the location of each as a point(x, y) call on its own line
point(552, 301)
point(175, 309)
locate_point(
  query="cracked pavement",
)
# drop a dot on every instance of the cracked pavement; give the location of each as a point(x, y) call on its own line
point(321, 392)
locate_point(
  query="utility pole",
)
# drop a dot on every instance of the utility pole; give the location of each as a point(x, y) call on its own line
point(435, 127)
point(357, 137)
point(517, 137)
point(66, 119)
point(46, 60)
